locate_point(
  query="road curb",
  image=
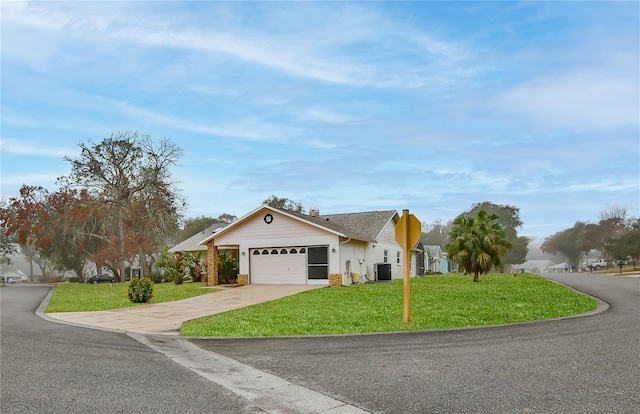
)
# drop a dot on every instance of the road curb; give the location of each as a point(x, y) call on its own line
point(42, 315)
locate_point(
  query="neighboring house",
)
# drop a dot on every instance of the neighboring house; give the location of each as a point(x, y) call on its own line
point(559, 268)
point(282, 247)
point(445, 265)
point(19, 263)
point(8, 274)
point(192, 244)
point(421, 259)
point(533, 266)
point(436, 259)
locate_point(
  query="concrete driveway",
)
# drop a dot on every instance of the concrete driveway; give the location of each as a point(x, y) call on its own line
point(167, 318)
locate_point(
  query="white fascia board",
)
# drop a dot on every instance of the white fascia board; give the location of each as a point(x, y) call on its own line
point(275, 210)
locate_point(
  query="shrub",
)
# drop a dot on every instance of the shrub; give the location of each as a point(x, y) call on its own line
point(157, 277)
point(73, 279)
point(140, 290)
point(228, 268)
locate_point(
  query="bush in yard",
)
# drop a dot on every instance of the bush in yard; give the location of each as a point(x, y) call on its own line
point(171, 266)
point(228, 268)
point(140, 290)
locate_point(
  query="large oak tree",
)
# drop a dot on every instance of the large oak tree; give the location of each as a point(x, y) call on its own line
point(130, 177)
point(568, 243)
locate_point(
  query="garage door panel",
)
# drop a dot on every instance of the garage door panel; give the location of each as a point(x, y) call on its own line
point(277, 268)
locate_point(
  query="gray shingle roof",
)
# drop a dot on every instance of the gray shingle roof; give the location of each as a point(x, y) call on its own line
point(192, 244)
point(365, 226)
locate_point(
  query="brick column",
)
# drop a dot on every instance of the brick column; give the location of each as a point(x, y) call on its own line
point(335, 279)
point(243, 279)
point(212, 264)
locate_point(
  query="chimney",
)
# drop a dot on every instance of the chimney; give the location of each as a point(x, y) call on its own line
point(314, 212)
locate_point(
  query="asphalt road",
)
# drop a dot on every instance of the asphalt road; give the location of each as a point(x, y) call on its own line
point(578, 365)
point(53, 368)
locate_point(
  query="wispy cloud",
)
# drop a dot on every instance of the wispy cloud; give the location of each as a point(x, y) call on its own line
point(19, 147)
point(245, 128)
point(579, 99)
point(346, 49)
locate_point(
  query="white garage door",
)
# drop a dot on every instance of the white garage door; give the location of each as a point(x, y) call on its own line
point(278, 265)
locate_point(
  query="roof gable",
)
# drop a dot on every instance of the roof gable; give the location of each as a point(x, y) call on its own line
point(365, 226)
point(265, 208)
point(433, 250)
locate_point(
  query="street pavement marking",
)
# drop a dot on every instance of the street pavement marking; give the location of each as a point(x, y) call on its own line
point(269, 392)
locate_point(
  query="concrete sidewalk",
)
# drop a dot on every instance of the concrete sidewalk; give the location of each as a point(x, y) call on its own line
point(167, 318)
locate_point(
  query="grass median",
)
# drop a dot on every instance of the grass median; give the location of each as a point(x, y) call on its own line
point(437, 302)
point(82, 297)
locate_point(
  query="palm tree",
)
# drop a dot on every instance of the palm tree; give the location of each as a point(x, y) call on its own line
point(477, 243)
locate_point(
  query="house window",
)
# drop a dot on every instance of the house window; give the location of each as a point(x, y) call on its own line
point(386, 256)
point(303, 250)
point(318, 262)
point(293, 251)
point(274, 251)
point(398, 258)
point(256, 252)
point(265, 251)
point(283, 251)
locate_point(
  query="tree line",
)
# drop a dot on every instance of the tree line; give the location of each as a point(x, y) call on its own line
point(616, 236)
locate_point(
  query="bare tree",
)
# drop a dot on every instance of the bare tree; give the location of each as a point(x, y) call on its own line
point(616, 212)
point(130, 176)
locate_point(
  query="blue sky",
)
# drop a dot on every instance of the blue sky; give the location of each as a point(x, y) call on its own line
point(341, 106)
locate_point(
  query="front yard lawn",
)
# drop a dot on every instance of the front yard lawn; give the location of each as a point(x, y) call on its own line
point(442, 301)
point(82, 297)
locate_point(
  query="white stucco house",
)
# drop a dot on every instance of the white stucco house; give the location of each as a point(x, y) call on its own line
point(276, 246)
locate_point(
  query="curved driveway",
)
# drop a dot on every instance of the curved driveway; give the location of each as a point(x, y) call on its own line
point(578, 365)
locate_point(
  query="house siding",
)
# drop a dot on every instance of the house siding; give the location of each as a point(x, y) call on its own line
point(356, 253)
point(388, 234)
point(256, 228)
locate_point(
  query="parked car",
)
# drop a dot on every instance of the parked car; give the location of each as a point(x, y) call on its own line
point(598, 265)
point(105, 277)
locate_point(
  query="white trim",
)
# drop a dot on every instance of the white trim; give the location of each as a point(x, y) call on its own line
point(275, 210)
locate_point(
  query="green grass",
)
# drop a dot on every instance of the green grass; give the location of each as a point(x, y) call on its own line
point(81, 297)
point(442, 301)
